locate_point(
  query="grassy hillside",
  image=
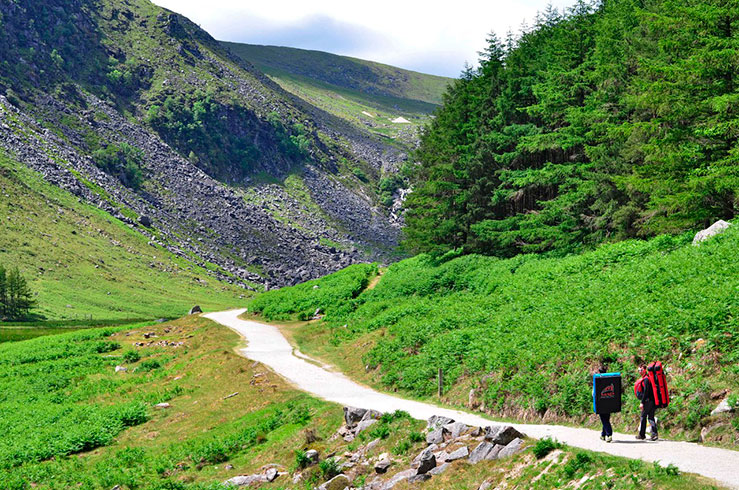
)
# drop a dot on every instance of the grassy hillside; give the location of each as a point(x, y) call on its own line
point(366, 94)
point(346, 72)
point(83, 263)
point(525, 333)
point(103, 429)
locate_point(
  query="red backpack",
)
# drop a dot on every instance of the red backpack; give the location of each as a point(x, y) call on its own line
point(656, 376)
point(639, 388)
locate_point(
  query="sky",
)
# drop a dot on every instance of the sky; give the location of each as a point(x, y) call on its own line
point(414, 34)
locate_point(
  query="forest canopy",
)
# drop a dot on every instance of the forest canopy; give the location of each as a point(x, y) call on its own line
point(612, 120)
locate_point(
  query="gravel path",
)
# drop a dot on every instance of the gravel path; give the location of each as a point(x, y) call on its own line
point(267, 345)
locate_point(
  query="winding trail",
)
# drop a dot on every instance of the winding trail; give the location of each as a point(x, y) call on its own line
point(267, 345)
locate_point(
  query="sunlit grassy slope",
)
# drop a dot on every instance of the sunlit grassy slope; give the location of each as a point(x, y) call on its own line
point(83, 263)
point(367, 94)
point(526, 333)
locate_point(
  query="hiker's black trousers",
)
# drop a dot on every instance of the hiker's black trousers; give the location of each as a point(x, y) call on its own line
point(647, 413)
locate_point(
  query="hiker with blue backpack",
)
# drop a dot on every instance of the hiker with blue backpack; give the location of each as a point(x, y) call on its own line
point(606, 399)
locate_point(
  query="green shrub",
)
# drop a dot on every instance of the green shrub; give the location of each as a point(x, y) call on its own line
point(149, 365)
point(131, 356)
point(301, 460)
point(545, 446)
point(379, 431)
point(329, 468)
point(580, 462)
point(416, 437)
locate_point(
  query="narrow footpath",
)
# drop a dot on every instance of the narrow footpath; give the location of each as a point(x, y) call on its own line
point(266, 344)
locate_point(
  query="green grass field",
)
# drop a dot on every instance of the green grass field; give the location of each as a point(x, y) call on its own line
point(71, 421)
point(85, 265)
point(526, 333)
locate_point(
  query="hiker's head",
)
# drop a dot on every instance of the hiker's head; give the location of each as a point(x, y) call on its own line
point(642, 370)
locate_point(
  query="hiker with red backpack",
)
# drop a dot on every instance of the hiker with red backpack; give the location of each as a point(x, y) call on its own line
point(651, 389)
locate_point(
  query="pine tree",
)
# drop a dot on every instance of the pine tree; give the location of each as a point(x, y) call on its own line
point(19, 296)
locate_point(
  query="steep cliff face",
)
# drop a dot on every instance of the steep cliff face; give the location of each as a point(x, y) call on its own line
point(136, 109)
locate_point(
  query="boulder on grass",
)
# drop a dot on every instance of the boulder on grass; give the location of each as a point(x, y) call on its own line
point(513, 447)
point(485, 451)
point(195, 309)
point(717, 228)
point(339, 482)
point(502, 434)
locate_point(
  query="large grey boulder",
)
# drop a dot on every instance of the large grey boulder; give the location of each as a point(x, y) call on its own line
point(484, 451)
point(353, 415)
point(502, 434)
point(421, 477)
point(339, 482)
point(512, 448)
point(460, 453)
point(426, 460)
point(439, 469)
point(195, 309)
point(456, 429)
point(363, 425)
point(435, 436)
point(717, 228)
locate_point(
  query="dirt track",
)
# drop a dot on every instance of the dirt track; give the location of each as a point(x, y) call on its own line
point(267, 345)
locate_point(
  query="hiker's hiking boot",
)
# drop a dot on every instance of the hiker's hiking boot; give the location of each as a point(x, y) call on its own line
point(641, 437)
point(653, 438)
point(609, 438)
point(602, 438)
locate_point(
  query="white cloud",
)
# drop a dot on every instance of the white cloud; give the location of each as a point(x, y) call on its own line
point(411, 34)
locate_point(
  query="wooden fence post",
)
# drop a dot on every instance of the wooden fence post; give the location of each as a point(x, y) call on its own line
point(441, 383)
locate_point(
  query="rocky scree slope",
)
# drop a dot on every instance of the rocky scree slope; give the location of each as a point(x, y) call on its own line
point(137, 110)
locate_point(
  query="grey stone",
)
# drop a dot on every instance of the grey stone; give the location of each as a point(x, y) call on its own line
point(717, 228)
point(484, 451)
point(244, 480)
point(456, 429)
point(502, 434)
point(460, 453)
point(485, 485)
point(438, 421)
point(339, 482)
point(353, 415)
point(363, 425)
point(162, 405)
point(723, 407)
point(435, 436)
point(121, 369)
point(421, 477)
point(512, 448)
point(145, 221)
point(426, 460)
point(439, 469)
point(312, 456)
point(271, 474)
point(382, 466)
point(195, 309)
point(397, 478)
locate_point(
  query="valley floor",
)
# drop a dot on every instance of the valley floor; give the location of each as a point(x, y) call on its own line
point(267, 345)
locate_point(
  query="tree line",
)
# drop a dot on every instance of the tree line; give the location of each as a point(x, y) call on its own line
point(610, 120)
point(16, 298)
